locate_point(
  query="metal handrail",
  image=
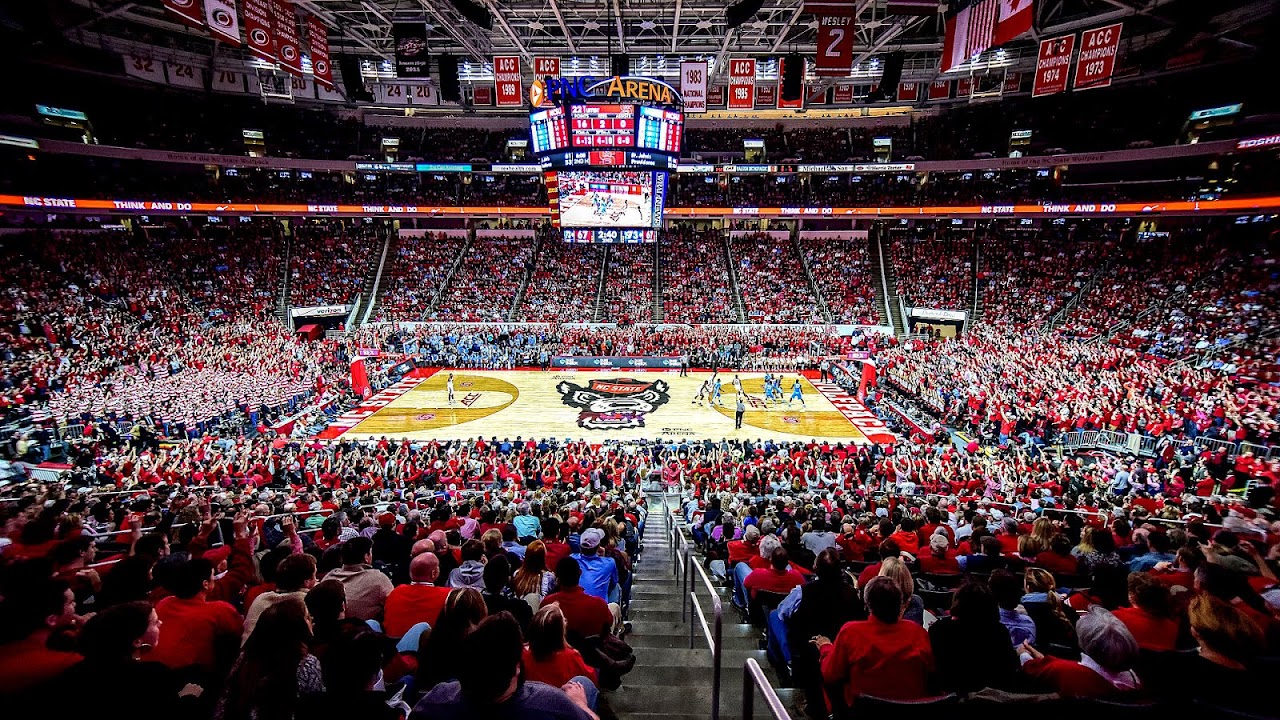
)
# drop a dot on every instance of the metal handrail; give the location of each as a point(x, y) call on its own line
point(714, 637)
point(752, 678)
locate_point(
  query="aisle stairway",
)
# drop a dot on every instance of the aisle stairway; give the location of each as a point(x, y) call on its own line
point(670, 680)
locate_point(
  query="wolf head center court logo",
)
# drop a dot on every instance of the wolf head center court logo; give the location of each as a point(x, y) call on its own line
point(614, 404)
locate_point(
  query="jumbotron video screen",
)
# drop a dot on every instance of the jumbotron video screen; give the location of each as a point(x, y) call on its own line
point(611, 198)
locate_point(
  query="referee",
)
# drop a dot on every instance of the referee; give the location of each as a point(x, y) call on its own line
point(740, 410)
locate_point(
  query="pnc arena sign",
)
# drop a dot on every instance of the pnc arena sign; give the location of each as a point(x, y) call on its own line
point(563, 90)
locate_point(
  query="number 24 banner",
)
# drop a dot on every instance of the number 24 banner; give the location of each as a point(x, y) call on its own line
point(1097, 61)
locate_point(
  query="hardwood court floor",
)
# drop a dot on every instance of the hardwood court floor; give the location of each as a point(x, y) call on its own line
point(598, 406)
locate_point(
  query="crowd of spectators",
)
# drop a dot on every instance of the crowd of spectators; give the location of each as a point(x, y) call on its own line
point(934, 271)
point(841, 269)
point(695, 281)
point(329, 261)
point(415, 275)
point(628, 284)
point(563, 285)
point(772, 280)
point(485, 286)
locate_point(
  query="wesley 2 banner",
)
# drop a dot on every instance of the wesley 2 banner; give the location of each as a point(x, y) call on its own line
point(411, 49)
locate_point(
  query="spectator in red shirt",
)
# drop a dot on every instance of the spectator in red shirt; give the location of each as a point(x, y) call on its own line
point(881, 655)
point(1150, 617)
point(585, 615)
point(418, 602)
point(548, 657)
point(746, 548)
point(906, 537)
point(1058, 558)
point(196, 631)
point(779, 577)
point(939, 559)
point(43, 607)
point(1108, 654)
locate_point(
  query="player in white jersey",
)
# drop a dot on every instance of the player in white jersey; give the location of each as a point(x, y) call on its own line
point(449, 386)
point(703, 392)
point(737, 384)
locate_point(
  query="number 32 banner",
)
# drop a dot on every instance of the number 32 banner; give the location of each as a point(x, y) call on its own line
point(742, 83)
point(1097, 60)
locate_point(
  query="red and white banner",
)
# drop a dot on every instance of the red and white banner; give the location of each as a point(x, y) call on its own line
point(964, 87)
point(842, 95)
point(507, 84)
point(908, 91)
point(715, 95)
point(546, 67)
point(766, 95)
point(1014, 21)
point(1053, 65)
point(1012, 81)
point(318, 40)
point(257, 29)
point(742, 83)
point(816, 96)
point(940, 90)
point(187, 10)
point(693, 85)
point(835, 45)
point(482, 95)
point(1097, 61)
point(969, 33)
point(912, 7)
point(223, 21)
point(288, 47)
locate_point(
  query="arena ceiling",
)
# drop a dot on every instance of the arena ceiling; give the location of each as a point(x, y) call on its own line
point(660, 31)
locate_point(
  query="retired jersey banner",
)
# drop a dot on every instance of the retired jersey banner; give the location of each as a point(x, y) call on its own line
point(908, 91)
point(318, 41)
point(257, 29)
point(940, 90)
point(842, 95)
point(742, 83)
point(835, 45)
point(1097, 61)
point(412, 59)
point(187, 10)
point(506, 80)
point(1053, 65)
point(546, 67)
point(223, 22)
point(766, 95)
point(693, 86)
point(288, 48)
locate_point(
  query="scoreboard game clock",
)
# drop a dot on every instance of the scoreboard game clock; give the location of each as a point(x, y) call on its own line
point(610, 146)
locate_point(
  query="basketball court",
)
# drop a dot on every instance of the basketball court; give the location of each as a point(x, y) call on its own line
point(601, 405)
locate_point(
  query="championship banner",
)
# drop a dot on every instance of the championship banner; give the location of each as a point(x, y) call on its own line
point(1053, 65)
point(964, 87)
point(816, 96)
point(412, 60)
point(288, 47)
point(835, 44)
point(257, 29)
point(482, 95)
point(223, 22)
point(940, 90)
point(842, 95)
point(715, 95)
point(766, 95)
point(908, 91)
point(546, 67)
point(1012, 81)
point(507, 84)
point(318, 40)
point(693, 86)
point(1097, 61)
point(187, 10)
point(742, 83)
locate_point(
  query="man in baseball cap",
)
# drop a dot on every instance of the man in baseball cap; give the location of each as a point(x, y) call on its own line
point(599, 571)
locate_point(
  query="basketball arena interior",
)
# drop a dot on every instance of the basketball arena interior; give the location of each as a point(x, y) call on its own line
point(640, 359)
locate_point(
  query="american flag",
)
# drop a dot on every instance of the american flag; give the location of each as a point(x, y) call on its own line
point(970, 32)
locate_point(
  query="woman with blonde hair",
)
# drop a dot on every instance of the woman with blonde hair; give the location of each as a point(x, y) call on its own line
point(1042, 531)
point(1055, 622)
point(912, 605)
